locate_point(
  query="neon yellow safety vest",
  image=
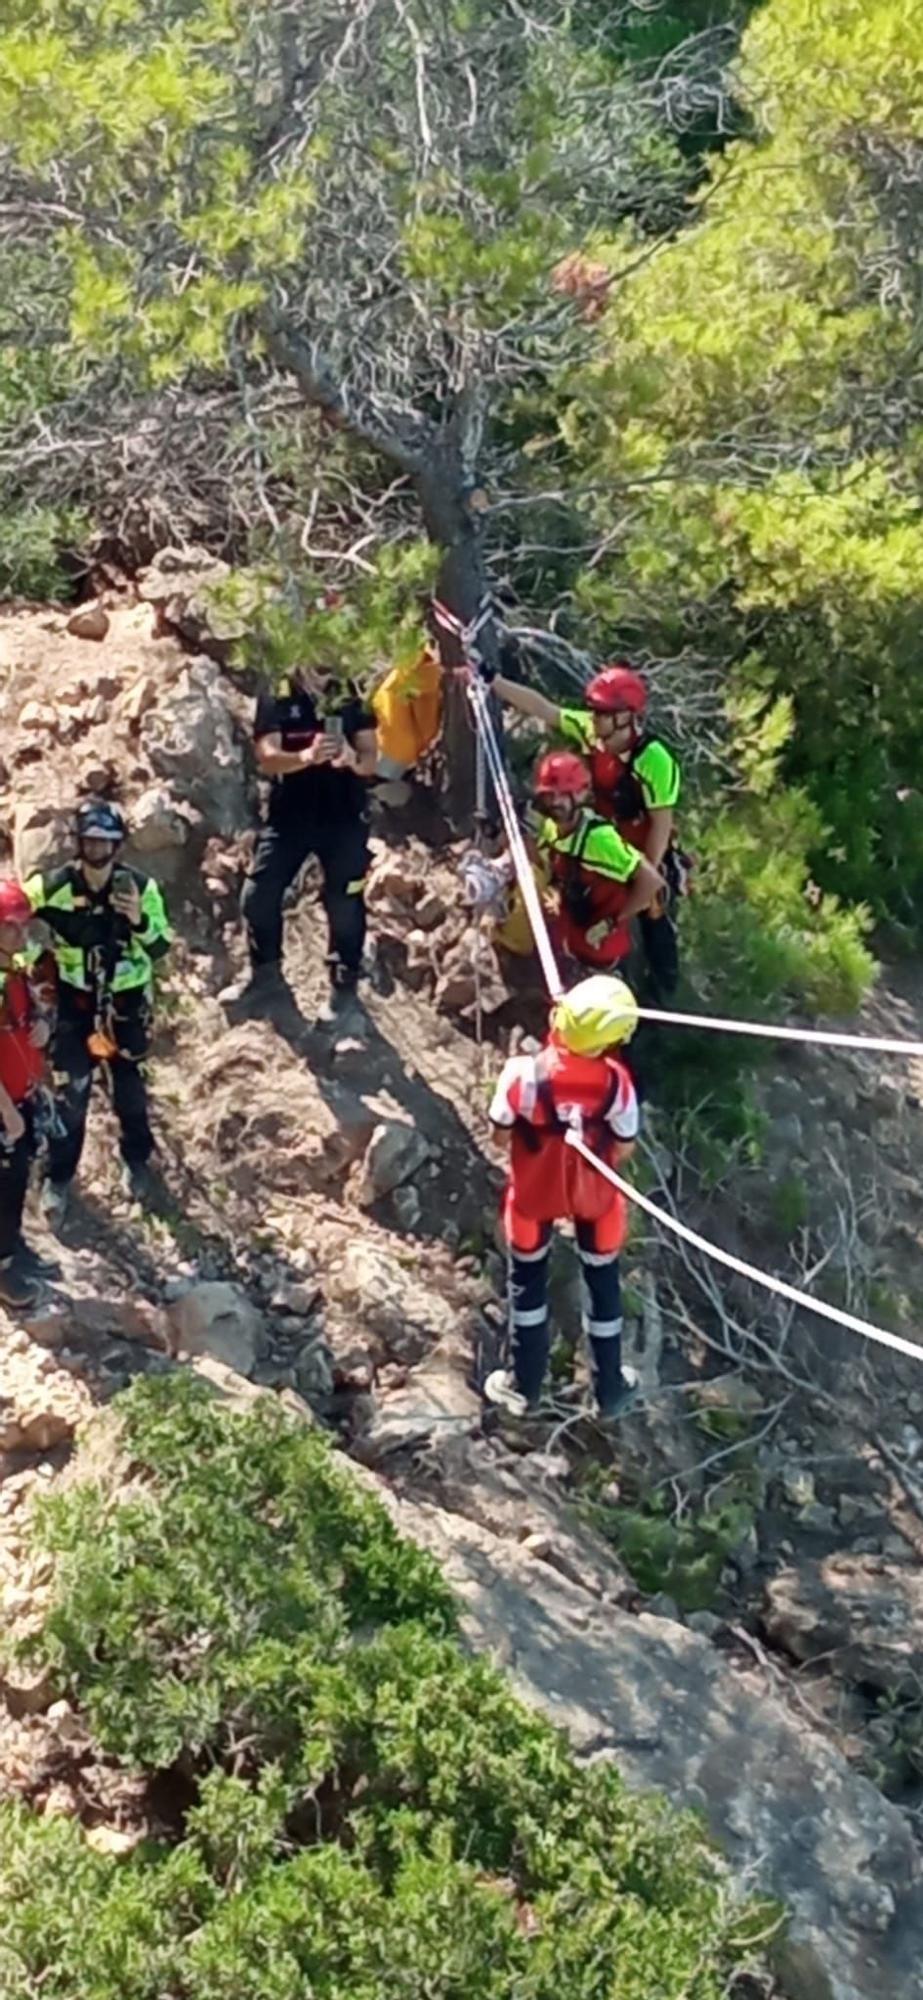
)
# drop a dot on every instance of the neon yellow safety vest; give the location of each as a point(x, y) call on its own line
point(87, 937)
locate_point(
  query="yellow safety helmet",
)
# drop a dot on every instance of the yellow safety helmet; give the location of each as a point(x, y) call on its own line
point(597, 1014)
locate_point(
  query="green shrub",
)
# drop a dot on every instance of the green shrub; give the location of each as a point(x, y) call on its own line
point(683, 1557)
point(32, 542)
point(202, 1608)
point(374, 1815)
point(750, 928)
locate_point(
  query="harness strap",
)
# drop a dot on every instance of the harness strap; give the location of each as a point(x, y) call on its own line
point(531, 1133)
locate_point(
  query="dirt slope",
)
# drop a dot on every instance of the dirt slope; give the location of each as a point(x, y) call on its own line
point(327, 1233)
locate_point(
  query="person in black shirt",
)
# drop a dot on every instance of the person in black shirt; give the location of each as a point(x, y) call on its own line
point(315, 741)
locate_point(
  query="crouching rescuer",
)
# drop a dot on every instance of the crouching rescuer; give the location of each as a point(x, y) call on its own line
point(635, 784)
point(576, 1083)
point(109, 927)
point(602, 881)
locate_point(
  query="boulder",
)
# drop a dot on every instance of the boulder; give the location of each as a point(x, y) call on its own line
point(218, 1319)
point(394, 879)
point(793, 1819)
point(40, 1414)
point(388, 1299)
point(470, 976)
point(116, 1317)
point(864, 1610)
point(434, 1398)
point(98, 774)
point(267, 1123)
point(393, 792)
point(91, 622)
point(189, 739)
point(797, 1485)
point(158, 822)
point(430, 911)
point(42, 837)
point(394, 1153)
point(296, 1297)
point(184, 586)
point(135, 700)
point(38, 715)
point(314, 1371)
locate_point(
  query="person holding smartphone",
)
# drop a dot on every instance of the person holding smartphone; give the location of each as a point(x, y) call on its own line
point(315, 742)
point(108, 927)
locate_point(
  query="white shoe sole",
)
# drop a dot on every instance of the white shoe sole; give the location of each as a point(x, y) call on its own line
point(500, 1393)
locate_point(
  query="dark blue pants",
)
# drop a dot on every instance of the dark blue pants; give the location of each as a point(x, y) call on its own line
point(602, 1312)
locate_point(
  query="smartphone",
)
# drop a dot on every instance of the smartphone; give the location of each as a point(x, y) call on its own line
point(332, 725)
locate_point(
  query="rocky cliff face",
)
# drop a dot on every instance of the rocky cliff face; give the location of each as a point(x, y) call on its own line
point(327, 1237)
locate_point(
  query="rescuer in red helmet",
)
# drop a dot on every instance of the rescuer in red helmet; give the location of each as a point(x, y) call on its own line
point(25, 1029)
point(635, 782)
point(601, 880)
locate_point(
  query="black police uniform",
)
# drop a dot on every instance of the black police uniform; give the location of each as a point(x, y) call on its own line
point(320, 811)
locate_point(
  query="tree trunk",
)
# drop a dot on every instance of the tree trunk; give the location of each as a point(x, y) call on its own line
point(445, 483)
point(442, 460)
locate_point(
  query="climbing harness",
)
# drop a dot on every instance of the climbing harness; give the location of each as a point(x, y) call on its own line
point(888, 1045)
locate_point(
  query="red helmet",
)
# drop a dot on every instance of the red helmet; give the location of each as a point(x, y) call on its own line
point(15, 907)
point(562, 775)
point(617, 687)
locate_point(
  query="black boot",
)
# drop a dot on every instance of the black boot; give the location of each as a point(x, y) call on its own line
point(342, 1003)
point(31, 1265)
point(18, 1293)
point(257, 989)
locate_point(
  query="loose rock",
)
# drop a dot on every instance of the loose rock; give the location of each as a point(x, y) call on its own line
point(218, 1319)
point(92, 622)
point(394, 1153)
point(865, 1610)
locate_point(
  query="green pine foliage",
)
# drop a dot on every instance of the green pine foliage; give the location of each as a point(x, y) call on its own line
point(290, 617)
point(755, 405)
point(373, 1815)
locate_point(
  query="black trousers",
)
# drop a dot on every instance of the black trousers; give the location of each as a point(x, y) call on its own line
point(14, 1182)
point(661, 952)
point(74, 1069)
point(343, 852)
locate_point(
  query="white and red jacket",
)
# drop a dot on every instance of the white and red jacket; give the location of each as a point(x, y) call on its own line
point(540, 1097)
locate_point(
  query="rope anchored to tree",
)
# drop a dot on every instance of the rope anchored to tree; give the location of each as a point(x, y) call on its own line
point(836, 1314)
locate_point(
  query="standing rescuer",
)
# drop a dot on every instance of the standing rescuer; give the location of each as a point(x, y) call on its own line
point(317, 746)
point(635, 783)
point(601, 880)
point(25, 1030)
point(109, 927)
point(574, 1083)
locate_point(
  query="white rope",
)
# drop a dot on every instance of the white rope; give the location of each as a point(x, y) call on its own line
point(743, 1269)
point(819, 1037)
point(882, 1044)
point(478, 697)
point(543, 943)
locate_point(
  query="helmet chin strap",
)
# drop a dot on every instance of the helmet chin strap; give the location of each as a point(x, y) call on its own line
point(631, 729)
point(97, 872)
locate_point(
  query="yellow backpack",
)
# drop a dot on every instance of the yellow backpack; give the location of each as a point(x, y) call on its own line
point(514, 932)
point(407, 706)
